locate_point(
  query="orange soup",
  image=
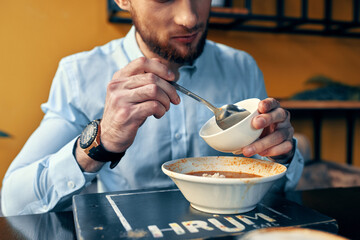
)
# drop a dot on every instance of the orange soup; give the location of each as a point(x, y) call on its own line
point(223, 174)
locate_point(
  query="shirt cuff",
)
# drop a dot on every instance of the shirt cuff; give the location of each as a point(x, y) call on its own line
point(294, 170)
point(69, 174)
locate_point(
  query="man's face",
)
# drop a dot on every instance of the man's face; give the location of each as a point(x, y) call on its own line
point(174, 30)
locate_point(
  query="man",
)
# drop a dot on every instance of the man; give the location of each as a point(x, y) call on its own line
point(144, 122)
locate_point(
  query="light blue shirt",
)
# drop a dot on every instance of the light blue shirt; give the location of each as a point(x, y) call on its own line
point(45, 174)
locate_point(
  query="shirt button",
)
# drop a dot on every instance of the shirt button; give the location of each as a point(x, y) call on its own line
point(71, 184)
point(177, 136)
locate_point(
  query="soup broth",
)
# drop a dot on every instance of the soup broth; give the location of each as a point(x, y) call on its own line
point(223, 174)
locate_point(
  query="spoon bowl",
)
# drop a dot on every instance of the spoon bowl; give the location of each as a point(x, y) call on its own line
point(225, 116)
point(230, 115)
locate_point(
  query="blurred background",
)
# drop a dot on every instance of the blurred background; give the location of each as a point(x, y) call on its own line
point(36, 34)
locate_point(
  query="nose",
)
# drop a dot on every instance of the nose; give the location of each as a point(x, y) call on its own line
point(186, 13)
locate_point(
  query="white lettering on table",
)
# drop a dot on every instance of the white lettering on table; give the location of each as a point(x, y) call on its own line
point(238, 226)
point(246, 219)
point(177, 229)
point(155, 231)
point(226, 224)
point(265, 225)
point(193, 226)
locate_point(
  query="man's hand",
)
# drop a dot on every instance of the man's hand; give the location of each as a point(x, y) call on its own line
point(139, 90)
point(276, 140)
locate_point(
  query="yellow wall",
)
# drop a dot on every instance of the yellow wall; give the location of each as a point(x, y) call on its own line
point(35, 35)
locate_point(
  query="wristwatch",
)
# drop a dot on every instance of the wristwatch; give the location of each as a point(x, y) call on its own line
point(91, 144)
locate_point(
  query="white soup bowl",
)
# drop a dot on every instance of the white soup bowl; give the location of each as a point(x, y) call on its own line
point(223, 195)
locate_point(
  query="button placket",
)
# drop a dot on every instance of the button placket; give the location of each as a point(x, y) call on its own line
point(177, 126)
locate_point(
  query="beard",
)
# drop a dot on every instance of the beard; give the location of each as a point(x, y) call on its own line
point(165, 50)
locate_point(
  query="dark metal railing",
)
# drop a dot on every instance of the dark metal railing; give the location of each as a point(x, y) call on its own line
point(239, 20)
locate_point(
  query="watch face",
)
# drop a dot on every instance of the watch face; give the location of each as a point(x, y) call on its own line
point(88, 135)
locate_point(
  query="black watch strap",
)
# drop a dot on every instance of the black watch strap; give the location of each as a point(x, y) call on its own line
point(100, 154)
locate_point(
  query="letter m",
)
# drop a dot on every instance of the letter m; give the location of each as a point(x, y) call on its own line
point(246, 219)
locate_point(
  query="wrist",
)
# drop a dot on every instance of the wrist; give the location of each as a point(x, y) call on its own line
point(107, 141)
point(92, 146)
point(86, 163)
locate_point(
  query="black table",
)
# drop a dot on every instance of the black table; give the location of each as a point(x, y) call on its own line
point(339, 203)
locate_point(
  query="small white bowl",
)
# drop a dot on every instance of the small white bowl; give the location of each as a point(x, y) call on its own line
point(236, 137)
point(223, 195)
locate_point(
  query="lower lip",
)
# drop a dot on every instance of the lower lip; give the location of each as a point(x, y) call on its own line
point(189, 39)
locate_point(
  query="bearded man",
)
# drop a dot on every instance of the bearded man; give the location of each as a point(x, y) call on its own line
point(116, 102)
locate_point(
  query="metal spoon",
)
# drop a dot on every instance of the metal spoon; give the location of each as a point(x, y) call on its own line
point(225, 116)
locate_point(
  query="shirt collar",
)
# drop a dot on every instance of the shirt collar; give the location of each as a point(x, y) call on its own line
point(131, 46)
point(198, 63)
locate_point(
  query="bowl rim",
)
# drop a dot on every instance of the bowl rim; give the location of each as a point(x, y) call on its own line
point(228, 129)
point(222, 181)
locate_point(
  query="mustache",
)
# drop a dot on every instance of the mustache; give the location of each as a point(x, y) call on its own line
point(193, 29)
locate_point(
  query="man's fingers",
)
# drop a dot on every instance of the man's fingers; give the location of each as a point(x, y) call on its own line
point(150, 92)
point(268, 105)
point(145, 65)
point(276, 138)
point(150, 108)
point(141, 75)
point(155, 86)
point(278, 150)
point(277, 115)
point(286, 123)
point(267, 142)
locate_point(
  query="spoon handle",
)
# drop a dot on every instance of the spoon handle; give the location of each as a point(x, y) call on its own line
point(194, 96)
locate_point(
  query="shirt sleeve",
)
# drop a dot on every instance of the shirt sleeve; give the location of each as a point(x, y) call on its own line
point(45, 172)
